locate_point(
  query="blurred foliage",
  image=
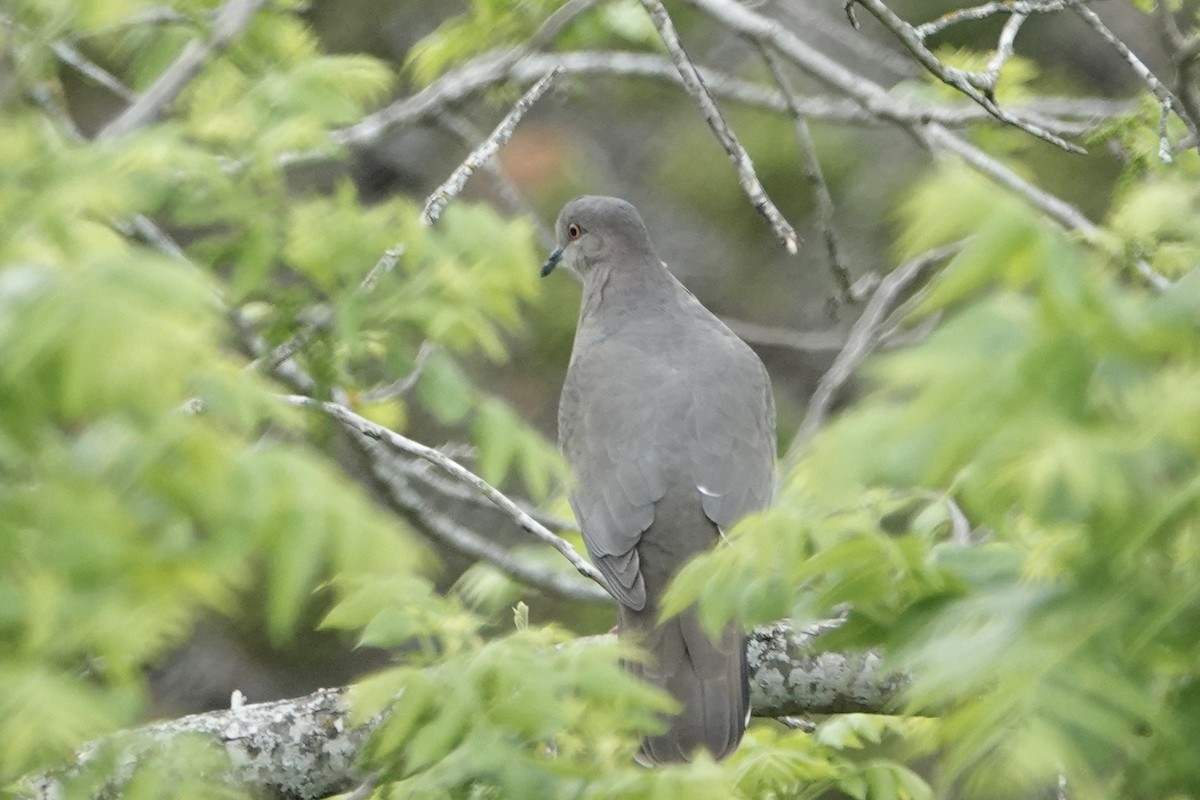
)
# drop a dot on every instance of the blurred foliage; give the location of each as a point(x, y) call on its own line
point(492, 24)
point(146, 475)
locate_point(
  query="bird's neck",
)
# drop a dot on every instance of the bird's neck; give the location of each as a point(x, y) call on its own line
point(626, 294)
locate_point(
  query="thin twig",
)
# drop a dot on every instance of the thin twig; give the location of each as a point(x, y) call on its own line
point(863, 337)
point(231, 19)
point(1165, 96)
point(1184, 52)
point(1004, 51)
point(924, 31)
point(875, 100)
point(446, 486)
point(694, 84)
point(436, 204)
point(386, 263)
point(319, 318)
point(506, 190)
point(812, 171)
point(965, 82)
point(406, 445)
point(70, 55)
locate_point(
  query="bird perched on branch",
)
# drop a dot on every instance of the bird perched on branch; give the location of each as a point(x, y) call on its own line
point(668, 421)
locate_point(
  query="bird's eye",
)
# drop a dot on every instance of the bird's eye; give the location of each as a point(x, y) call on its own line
point(574, 231)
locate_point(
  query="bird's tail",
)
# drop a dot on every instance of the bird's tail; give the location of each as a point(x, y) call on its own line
point(708, 678)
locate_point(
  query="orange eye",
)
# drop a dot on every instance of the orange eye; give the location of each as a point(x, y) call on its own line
point(574, 231)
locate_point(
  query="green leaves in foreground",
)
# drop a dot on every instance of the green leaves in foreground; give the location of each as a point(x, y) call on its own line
point(1056, 406)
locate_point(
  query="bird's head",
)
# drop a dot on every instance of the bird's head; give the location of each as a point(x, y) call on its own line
point(592, 231)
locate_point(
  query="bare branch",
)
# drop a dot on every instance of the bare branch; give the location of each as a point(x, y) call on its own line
point(1066, 116)
point(441, 460)
point(70, 55)
point(950, 18)
point(506, 190)
point(973, 86)
point(1165, 96)
point(1004, 51)
point(434, 479)
point(393, 474)
point(812, 170)
point(441, 196)
point(231, 19)
point(694, 84)
point(875, 100)
point(861, 342)
point(1184, 52)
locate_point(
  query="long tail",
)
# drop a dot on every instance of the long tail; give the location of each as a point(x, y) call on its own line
point(709, 679)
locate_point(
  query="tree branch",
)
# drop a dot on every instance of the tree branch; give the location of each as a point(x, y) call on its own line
point(437, 201)
point(305, 748)
point(1166, 97)
point(507, 191)
point(300, 748)
point(973, 86)
point(875, 100)
point(1066, 116)
point(925, 30)
point(863, 338)
point(449, 465)
point(393, 479)
point(812, 171)
point(694, 84)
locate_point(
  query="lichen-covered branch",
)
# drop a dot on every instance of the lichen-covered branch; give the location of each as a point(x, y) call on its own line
point(305, 748)
point(298, 749)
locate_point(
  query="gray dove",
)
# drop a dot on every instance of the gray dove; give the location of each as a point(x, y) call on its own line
point(668, 421)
